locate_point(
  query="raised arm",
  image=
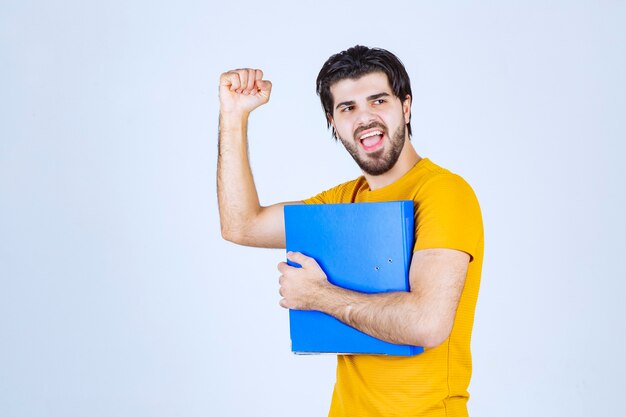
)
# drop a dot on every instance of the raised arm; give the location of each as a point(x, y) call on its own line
point(243, 219)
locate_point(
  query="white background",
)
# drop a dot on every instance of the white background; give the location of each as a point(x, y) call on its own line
point(118, 296)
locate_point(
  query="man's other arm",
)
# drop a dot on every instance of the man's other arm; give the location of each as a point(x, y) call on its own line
point(422, 317)
point(243, 220)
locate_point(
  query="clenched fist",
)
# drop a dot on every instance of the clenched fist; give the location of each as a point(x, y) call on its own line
point(243, 90)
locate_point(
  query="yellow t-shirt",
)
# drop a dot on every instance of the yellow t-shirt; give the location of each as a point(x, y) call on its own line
point(434, 383)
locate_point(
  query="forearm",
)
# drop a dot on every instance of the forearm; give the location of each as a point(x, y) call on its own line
point(237, 196)
point(396, 317)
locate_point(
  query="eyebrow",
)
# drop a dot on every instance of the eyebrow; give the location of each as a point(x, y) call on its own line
point(368, 98)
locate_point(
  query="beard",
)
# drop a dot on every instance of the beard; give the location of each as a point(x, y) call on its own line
point(381, 161)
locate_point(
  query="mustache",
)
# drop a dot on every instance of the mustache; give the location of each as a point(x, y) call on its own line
point(372, 125)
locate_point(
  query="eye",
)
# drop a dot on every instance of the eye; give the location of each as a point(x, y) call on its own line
point(379, 101)
point(346, 109)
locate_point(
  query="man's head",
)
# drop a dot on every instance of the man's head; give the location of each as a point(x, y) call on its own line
point(355, 62)
point(366, 95)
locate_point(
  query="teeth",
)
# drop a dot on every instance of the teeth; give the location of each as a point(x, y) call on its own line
point(371, 134)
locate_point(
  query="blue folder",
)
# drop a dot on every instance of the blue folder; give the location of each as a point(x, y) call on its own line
point(364, 247)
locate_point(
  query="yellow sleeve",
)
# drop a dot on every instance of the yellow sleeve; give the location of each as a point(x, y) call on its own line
point(448, 215)
point(342, 193)
point(321, 198)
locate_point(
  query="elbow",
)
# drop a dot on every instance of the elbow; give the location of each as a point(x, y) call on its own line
point(239, 236)
point(433, 340)
point(231, 235)
point(239, 229)
point(432, 334)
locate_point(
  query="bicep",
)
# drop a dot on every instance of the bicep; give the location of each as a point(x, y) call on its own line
point(268, 228)
point(437, 277)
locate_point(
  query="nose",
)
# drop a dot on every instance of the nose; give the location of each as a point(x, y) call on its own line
point(364, 117)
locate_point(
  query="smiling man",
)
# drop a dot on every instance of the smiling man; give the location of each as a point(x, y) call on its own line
point(366, 96)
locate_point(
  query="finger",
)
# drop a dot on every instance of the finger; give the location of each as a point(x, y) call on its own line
point(258, 76)
point(300, 258)
point(250, 81)
point(283, 303)
point(243, 77)
point(283, 267)
point(231, 80)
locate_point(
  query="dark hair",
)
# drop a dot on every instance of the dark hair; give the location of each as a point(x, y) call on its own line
point(356, 62)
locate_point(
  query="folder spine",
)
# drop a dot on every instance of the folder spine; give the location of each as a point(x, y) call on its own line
point(408, 238)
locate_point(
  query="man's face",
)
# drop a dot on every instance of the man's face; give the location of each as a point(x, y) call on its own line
point(370, 121)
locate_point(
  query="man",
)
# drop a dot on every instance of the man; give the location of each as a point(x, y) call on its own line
point(366, 95)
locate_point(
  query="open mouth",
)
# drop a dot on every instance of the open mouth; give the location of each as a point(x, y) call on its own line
point(372, 140)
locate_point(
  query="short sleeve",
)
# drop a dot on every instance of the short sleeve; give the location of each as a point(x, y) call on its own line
point(342, 193)
point(448, 216)
point(321, 198)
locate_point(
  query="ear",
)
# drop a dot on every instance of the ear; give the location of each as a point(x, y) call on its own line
point(331, 122)
point(331, 125)
point(406, 109)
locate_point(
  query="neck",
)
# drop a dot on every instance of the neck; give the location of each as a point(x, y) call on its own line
point(407, 159)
